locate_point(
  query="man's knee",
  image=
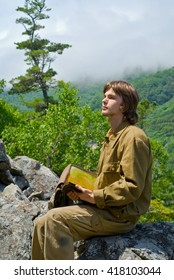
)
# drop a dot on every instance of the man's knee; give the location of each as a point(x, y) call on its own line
point(51, 215)
point(40, 222)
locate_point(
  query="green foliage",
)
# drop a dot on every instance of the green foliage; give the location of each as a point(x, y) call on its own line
point(158, 213)
point(66, 133)
point(163, 176)
point(159, 126)
point(2, 85)
point(157, 87)
point(85, 143)
point(91, 93)
point(144, 108)
point(40, 53)
point(9, 115)
point(21, 102)
point(38, 104)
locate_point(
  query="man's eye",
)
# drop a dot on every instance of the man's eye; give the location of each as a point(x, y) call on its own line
point(111, 97)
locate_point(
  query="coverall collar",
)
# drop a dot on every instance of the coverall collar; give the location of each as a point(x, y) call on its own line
point(110, 134)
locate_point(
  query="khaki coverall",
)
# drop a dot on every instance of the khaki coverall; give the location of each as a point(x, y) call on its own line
point(122, 193)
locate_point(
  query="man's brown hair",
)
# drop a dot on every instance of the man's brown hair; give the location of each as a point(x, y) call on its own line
point(130, 98)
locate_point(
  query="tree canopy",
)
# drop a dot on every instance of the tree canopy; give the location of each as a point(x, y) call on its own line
point(2, 85)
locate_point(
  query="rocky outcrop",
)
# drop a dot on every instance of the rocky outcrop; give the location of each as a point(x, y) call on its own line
point(149, 241)
point(26, 188)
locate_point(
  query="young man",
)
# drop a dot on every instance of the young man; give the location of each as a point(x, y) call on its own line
point(122, 190)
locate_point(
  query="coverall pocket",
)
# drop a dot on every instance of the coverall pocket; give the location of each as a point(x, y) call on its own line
point(112, 172)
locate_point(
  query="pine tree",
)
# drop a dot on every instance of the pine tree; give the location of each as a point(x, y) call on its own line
point(39, 52)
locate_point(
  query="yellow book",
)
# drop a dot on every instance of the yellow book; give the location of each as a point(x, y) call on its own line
point(73, 175)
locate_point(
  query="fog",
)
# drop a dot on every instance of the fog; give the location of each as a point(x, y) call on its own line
point(109, 37)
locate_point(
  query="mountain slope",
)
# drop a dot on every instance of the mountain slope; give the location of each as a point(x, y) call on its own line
point(159, 125)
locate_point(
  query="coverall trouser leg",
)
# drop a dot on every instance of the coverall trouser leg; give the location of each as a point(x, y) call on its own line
point(55, 232)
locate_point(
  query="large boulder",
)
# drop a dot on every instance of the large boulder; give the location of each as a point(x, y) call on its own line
point(26, 187)
point(148, 241)
point(16, 223)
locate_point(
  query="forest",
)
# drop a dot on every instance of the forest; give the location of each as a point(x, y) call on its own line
point(58, 123)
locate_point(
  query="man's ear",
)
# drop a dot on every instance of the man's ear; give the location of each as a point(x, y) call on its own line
point(121, 108)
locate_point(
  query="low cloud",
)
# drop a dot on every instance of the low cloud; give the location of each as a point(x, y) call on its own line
point(108, 37)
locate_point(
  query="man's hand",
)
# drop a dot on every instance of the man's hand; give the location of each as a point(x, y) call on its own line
point(85, 194)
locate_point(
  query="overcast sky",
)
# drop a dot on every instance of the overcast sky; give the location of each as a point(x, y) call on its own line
point(108, 37)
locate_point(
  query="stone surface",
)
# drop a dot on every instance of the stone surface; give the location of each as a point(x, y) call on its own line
point(149, 241)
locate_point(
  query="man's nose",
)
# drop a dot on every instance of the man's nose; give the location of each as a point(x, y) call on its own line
point(105, 100)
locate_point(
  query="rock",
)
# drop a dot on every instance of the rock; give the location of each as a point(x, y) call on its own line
point(149, 241)
point(25, 189)
point(4, 160)
point(40, 178)
point(15, 169)
point(6, 177)
point(16, 223)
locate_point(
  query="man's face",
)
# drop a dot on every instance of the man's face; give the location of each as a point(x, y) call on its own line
point(111, 104)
